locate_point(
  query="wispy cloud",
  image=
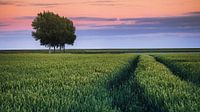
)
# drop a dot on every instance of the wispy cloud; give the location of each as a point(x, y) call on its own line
point(53, 4)
point(82, 18)
point(45, 4)
point(6, 2)
point(92, 19)
point(12, 2)
point(175, 21)
point(193, 13)
point(124, 26)
point(104, 3)
point(20, 3)
point(3, 24)
point(24, 18)
point(113, 26)
point(175, 24)
point(14, 32)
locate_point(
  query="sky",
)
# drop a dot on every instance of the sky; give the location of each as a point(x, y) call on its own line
point(107, 23)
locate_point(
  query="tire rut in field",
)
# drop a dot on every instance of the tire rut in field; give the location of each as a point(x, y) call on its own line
point(134, 88)
point(180, 95)
point(125, 92)
point(176, 72)
point(124, 75)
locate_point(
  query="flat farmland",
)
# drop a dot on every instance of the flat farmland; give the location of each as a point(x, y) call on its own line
point(39, 82)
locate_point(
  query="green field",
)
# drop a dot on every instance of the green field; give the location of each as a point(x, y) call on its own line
point(40, 82)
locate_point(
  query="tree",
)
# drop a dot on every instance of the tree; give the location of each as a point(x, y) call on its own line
point(53, 31)
point(68, 35)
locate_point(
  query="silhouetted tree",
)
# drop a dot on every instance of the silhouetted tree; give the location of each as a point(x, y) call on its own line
point(53, 31)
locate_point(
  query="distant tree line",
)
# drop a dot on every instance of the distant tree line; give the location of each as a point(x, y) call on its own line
point(53, 30)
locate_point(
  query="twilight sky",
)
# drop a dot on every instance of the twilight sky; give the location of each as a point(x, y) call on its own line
point(107, 23)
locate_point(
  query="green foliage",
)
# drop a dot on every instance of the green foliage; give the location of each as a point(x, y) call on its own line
point(95, 83)
point(162, 90)
point(185, 66)
point(50, 83)
point(53, 30)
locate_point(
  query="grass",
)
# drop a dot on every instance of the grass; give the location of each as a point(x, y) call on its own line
point(185, 66)
point(40, 82)
point(163, 91)
point(125, 93)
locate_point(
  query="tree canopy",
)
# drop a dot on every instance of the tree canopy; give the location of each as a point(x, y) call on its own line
point(52, 30)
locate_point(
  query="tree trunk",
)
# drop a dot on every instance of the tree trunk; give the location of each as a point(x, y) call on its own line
point(54, 49)
point(60, 48)
point(64, 48)
point(49, 49)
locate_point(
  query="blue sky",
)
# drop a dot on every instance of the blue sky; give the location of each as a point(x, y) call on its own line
point(23, 40)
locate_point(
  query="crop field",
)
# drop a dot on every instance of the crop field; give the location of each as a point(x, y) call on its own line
point(39, 82)
point(185, 66)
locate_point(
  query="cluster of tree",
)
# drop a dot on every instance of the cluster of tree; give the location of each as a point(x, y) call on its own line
point(53, 31)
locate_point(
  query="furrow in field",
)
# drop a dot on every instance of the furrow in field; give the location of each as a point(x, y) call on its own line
point(163, 91)
point(184, 66)
point(125, 92)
